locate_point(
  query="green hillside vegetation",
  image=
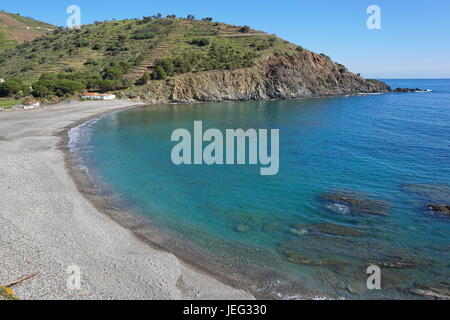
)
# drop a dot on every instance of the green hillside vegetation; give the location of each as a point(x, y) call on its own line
point(6, 40)
point(127, 54)
point(16, 29)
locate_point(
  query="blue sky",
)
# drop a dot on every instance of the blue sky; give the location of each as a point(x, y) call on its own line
point(414, 41)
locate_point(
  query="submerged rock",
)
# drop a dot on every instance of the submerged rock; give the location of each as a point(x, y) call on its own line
point(304, 251)
point(439, 208)
point(335, 229)
point(298, 231)
point(271, 227)
point(325, 228)
point(433, 192)
point(397, 264)
point(242, 228)
point(400, 262)
point(433, 293)
point(297, 258)
point(357, 203)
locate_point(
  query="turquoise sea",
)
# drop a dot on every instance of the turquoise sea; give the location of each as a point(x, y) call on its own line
point(356, 176)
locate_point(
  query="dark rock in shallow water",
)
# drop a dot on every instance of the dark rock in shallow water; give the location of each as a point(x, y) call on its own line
point(357, 203)
point(298, 258)
point(434, 192)
point(433, 293)
point(396, 264)
point(271, 227)
point(242, 228)
point(306, 251)
point(324, 228)
point(335, 229)
point(439, 208)
point(401, 262)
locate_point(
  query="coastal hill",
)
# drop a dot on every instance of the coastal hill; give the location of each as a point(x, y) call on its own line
point(15, 29)
point(171, 59)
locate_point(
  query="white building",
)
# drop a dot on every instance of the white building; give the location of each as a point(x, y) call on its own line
point(98, 96)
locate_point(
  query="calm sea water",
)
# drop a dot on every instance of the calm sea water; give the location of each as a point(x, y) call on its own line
point(388, 155)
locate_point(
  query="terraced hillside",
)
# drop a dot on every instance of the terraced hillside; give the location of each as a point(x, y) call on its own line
point(137, 43)
point(15, 29)
point(171, 59)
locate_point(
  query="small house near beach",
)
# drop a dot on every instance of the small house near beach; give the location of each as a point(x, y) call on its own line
point(98, 96)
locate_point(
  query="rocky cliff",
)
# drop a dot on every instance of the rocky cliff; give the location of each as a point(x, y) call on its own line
point(305, 74)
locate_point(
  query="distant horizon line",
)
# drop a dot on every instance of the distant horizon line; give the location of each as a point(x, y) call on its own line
point(382, 78)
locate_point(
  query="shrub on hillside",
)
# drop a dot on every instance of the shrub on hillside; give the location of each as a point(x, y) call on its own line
point(112, 73)
point(160, 73)
point(144, 79)
point(201, 42)
point(245, 29)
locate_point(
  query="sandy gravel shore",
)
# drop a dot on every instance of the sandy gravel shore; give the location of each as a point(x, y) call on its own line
point(46, 225)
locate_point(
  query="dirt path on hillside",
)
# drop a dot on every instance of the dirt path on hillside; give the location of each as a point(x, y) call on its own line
point(11, 22)
point(20, 31)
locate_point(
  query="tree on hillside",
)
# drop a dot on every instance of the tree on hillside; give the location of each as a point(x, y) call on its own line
point(49, 86)
point(147, 19)
point(144, 79)
point(13, 88)
point(200, 42)
point(160, 73)
point(245, 29)
point(190, 17)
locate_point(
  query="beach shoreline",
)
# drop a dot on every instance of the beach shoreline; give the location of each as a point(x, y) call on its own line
point(51, 221)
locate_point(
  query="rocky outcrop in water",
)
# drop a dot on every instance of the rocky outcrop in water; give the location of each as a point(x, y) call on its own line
point(355, 203)
point(442, 209)
point(409, 90)
point(325, 228)
point(432, 292)
point(305, 74)
point(432, 192)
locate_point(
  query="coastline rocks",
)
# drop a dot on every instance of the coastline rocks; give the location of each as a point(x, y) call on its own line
point(441, 209)
point(356, 203)
point(305, 74)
